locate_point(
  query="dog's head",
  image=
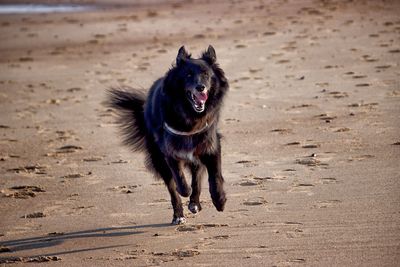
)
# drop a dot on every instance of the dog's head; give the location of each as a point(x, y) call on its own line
point(196, 80)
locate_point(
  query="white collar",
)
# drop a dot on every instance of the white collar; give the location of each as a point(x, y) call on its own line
point(176, 132)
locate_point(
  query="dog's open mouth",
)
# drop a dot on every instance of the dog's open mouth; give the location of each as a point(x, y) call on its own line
point(198, 100)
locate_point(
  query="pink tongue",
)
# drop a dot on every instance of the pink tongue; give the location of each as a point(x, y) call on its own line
point(202, 97)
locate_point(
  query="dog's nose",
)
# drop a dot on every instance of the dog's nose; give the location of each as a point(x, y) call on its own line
point(200, 87)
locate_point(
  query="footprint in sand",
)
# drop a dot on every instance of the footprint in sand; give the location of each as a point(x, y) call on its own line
point(92, 159)
point(258, 201)
point(383, 67)
point(362, 84)
point(68, 149)
point(249, 183)
point(180, 254)
point(337, 94)
point(369, 58)
point(289, 47)
point(22, 191)
point(310, 162)
point(219, 237)
point(326, 117)
point(342, 130)
point(93, 41)
point(282, 131)
point(162, 51)
point(32, 35)
point(120, 161)
point(293, 143)
point(301, 106)
point(65, 135)
point(247, 163)
point(294, 233)
point(125, 189)
point(311, 146)
point(76, 175)
point(35, 169)
point(231, 120)
point(394, 51)
point(299, 260)
point(99, 36)
point(326, 84)
point(329, 180)
point(283, 61)
point(26, 59)
point(331, 67)
point(34, 259)
point(268, 33)
point(303, 185)
point(240, 46)
point(362, 104)
point(360, 158)
point(34, 215)
point(359, 76)
point(199, 36)
point(273, 55)
point(255, 70)
point(196, 227)
point(326, 204)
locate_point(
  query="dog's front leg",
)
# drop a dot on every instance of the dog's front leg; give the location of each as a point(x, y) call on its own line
point(178, 218)
point(215, 179)
point(197, 173)
point(181, 185)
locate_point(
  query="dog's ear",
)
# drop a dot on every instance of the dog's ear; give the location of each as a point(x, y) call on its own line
point(209, 55)
point(182, 55)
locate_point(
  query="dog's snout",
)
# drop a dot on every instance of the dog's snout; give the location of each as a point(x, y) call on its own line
point(200, 87)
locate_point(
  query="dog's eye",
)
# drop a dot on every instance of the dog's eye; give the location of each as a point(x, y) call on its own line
point(189, 75)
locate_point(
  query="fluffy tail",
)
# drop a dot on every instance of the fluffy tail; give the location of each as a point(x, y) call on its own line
point(129, 103)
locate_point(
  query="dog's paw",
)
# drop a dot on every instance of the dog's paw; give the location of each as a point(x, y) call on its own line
point(219, 202)
point(178, 220)
point(194, 207)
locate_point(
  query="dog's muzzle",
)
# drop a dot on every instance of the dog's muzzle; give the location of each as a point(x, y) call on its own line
point(198, 98)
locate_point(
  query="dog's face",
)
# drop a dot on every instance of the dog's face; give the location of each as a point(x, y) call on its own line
point(196, 77)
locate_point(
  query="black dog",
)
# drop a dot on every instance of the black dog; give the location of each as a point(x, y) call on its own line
point(176, 126)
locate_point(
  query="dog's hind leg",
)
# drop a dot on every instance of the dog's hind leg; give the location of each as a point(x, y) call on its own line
point(197, 174)
point(179, 177)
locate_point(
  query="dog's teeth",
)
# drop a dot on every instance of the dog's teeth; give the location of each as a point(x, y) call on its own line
point(198, 105)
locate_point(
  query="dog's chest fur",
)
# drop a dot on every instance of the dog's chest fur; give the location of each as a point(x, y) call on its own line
point(189, 148)
point(185, 155)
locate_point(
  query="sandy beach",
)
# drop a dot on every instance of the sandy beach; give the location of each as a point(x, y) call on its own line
point(311, 125)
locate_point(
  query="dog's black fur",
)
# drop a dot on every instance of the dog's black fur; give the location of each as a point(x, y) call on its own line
point(176, 126)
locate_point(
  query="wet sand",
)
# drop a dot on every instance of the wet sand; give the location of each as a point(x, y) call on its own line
point(311, 125)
